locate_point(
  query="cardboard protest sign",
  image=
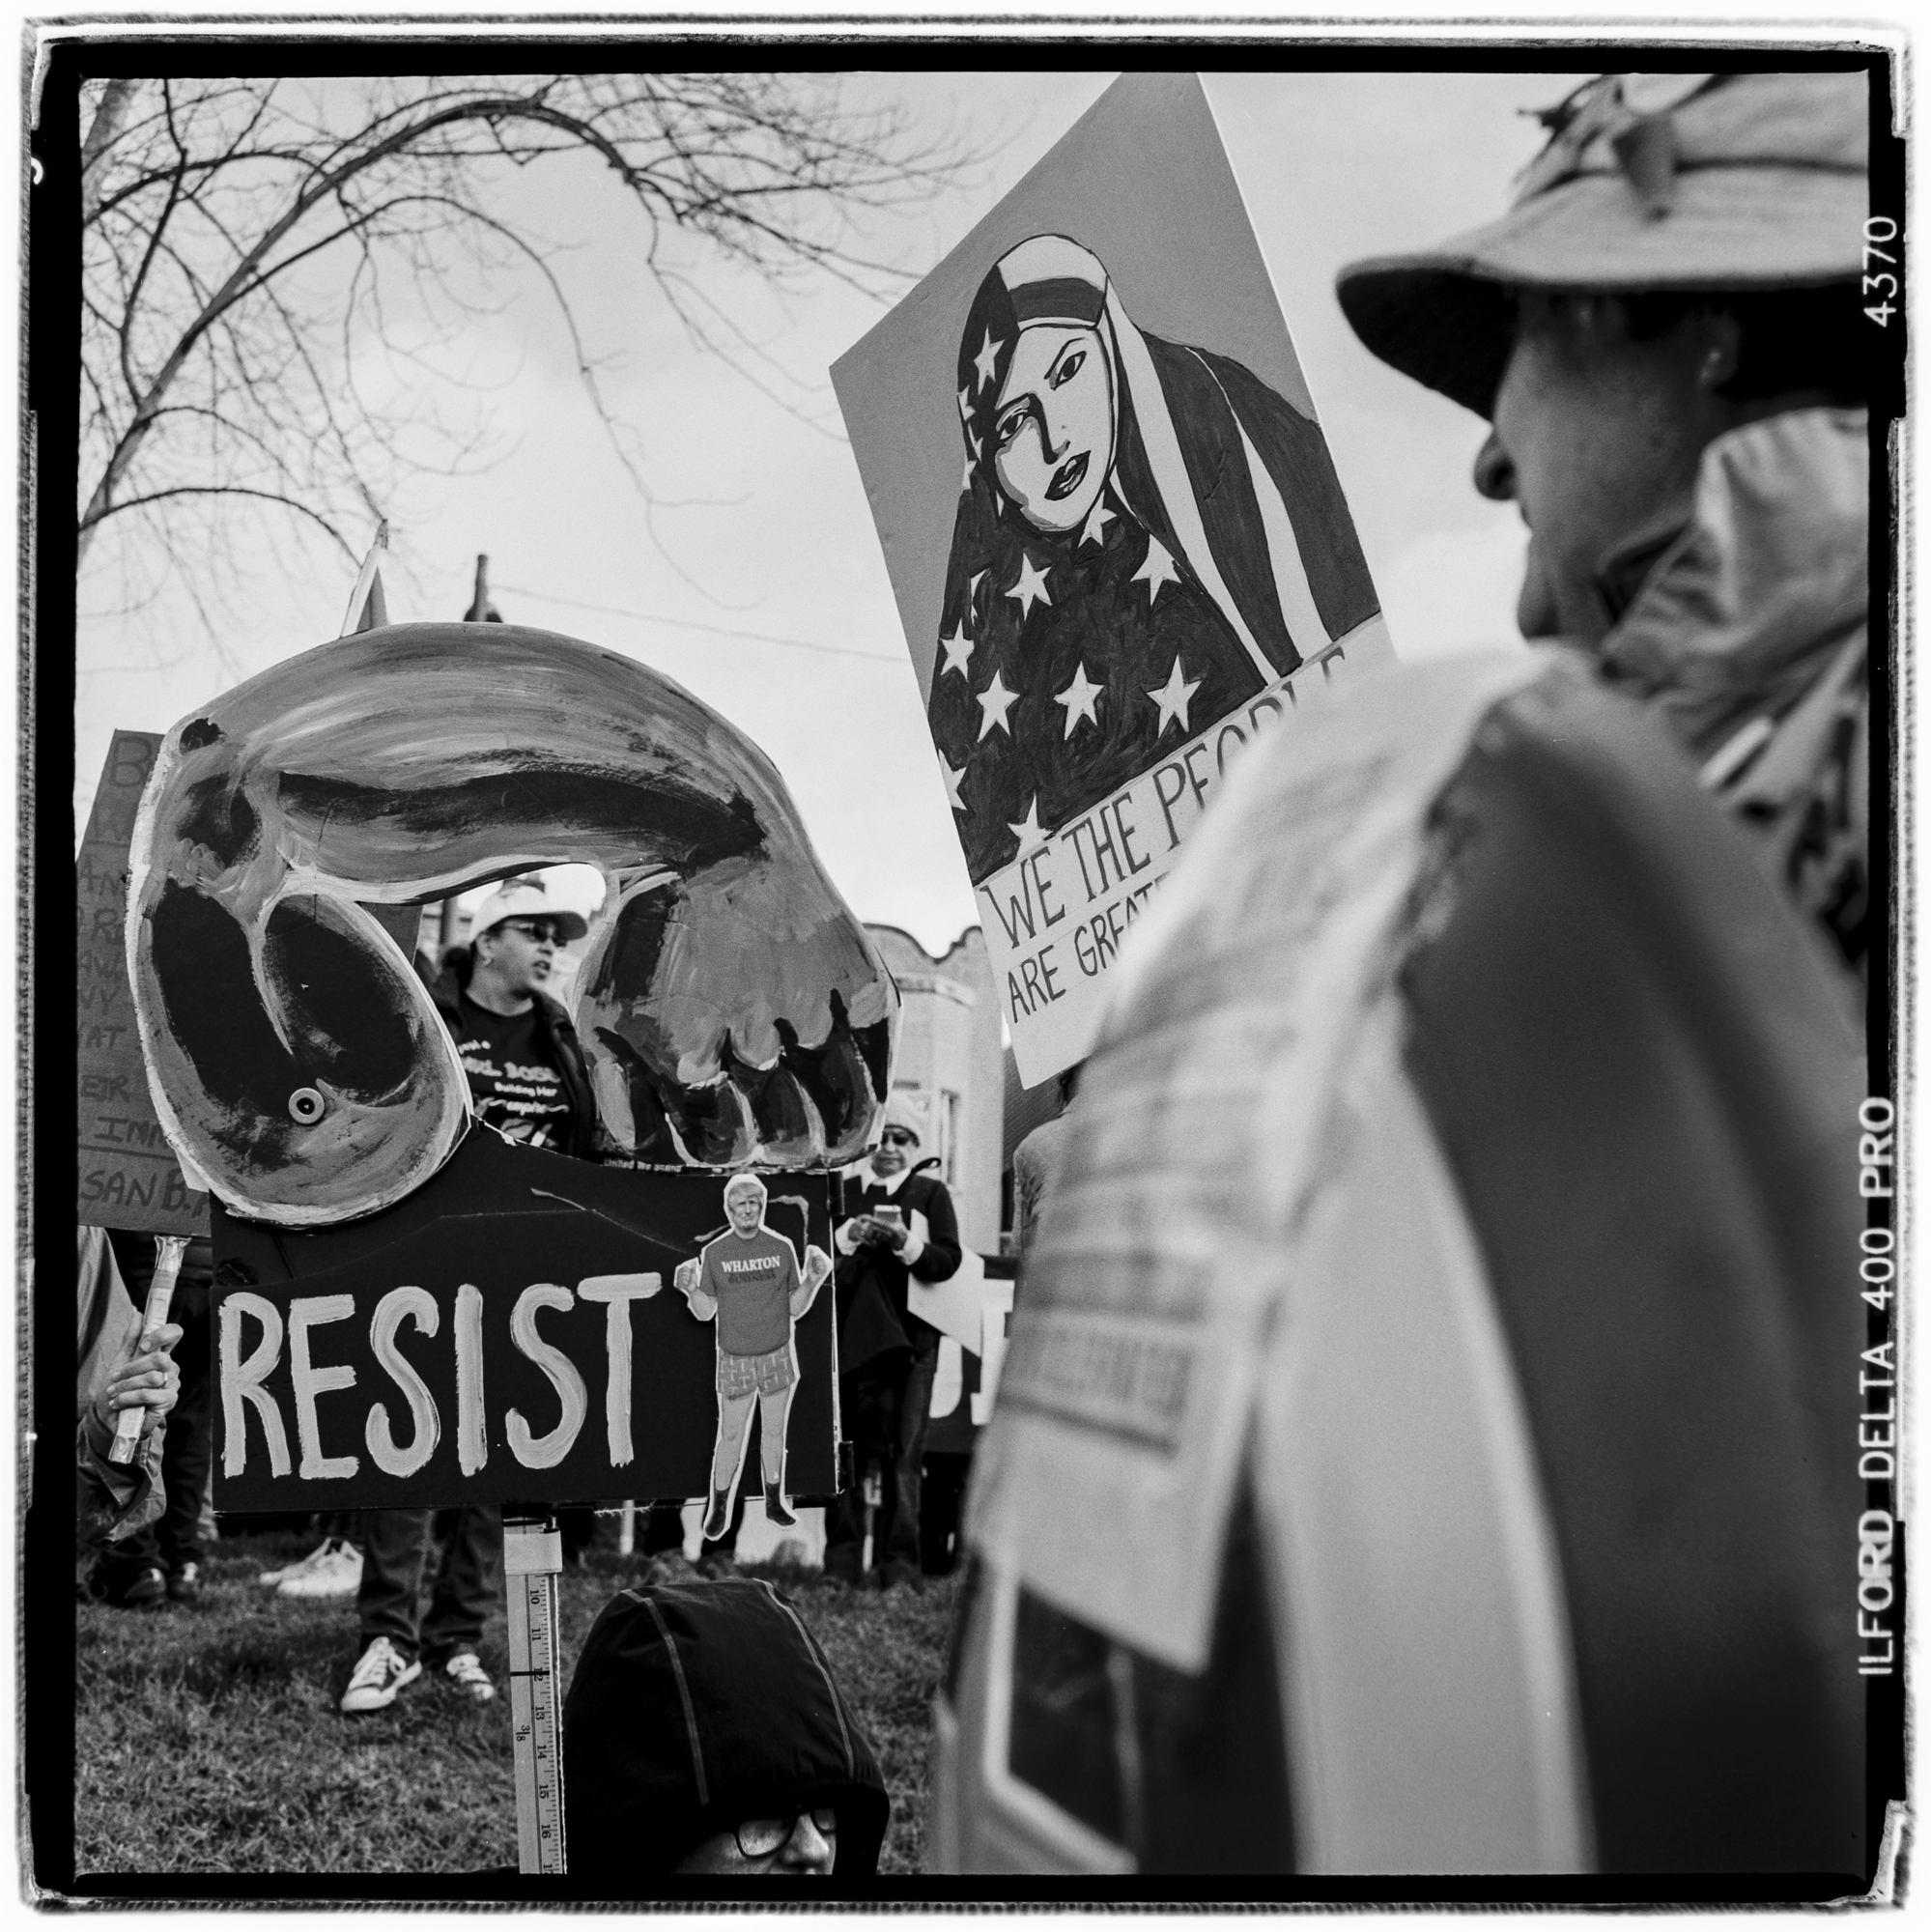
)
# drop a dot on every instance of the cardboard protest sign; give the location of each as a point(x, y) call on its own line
point(971, 1310)
point(128, 1175)
point(512, 1332)
point(1116, 539)
point(411, 1312)
point(732, 1010)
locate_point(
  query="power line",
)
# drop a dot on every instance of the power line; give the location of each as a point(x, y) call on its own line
point(693, 624)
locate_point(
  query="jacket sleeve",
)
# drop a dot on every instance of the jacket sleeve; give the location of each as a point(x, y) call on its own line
point(112, 1499)
point(587, 1140)
point(939, 1258)
point(851, 1201)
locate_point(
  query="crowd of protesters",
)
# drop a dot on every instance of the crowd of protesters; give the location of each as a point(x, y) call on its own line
point(1664, 335)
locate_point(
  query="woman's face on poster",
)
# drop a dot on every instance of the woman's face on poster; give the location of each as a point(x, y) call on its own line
point(1053, 431)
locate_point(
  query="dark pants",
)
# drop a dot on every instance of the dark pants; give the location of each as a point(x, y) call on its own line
point(468, 1579)
point(889, 1424)
point(662, 1529)
point(188, 1450)
point(659, 1527)
point(941, 1492)
point(584, 1529)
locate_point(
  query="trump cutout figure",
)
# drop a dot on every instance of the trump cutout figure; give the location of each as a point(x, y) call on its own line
point(748, 1281)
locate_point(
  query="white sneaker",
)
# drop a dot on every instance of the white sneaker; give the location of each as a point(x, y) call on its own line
point(378, 1677)
point(334, 1570)
point(466, 1671)
point(269, 1579)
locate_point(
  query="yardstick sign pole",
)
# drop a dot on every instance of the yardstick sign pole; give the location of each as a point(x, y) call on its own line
point(532, 1562)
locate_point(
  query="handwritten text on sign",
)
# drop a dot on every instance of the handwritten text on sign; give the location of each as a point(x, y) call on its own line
point(518, 1354)
point(1054, 918)
point(128, 1175)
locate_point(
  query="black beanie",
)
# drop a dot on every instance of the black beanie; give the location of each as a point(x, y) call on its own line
point(693, 1707)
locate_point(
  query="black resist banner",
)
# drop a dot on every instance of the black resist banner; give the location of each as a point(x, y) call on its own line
point(511, 1332)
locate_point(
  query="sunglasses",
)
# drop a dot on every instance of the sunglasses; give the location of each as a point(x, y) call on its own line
point(899, 1137)
point(538, 930)
point(759, 1838)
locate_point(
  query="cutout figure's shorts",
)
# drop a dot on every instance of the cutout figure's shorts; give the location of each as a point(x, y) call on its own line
point(764, 1374)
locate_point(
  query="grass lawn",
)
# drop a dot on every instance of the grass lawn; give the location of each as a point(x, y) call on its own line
point(207, 1737)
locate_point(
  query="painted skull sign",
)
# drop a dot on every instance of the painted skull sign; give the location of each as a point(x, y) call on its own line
point(732, 1010)
point(1145, 555)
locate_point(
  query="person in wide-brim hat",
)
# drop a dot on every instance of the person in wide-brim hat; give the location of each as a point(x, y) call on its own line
point(1671, 334)
point(1698, 182)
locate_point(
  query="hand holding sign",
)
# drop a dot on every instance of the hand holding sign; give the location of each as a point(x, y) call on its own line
point(141, 1391)
point(135, 1421)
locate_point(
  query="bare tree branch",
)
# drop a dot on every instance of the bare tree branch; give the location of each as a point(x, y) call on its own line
point(248, 243)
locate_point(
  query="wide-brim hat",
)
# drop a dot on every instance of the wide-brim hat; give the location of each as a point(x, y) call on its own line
point(523, 898)
point(1725, 182)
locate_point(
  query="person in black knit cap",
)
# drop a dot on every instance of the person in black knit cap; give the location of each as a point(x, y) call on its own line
point(703, 1732)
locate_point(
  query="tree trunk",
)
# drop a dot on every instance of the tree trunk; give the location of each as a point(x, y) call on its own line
point(109, 119)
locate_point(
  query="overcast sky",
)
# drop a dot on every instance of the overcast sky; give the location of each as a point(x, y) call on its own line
point(775, 537)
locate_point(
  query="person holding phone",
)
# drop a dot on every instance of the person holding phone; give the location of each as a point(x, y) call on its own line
point(900, 1225)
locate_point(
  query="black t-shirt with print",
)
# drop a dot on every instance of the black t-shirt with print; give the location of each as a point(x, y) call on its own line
point(514, 1082)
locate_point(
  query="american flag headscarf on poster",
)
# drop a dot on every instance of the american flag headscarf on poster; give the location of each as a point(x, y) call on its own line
point(1428, 1439)
point(1146, 536)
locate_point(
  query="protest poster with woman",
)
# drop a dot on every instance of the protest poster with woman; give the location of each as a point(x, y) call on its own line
point(1144, 557)
point(1148, 535)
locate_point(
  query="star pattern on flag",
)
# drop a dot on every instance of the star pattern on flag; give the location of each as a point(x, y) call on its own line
point(1081, 699)
point(1175, 697)
point(1031, 586)
point(1027, 830)
point(994, 702)
point(986, 361)
point(972, 590)
point(1156, 570)
point(953, 778)
point(959, 652)
point(965, 404)
point(965, 477)
point(1094, 530)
